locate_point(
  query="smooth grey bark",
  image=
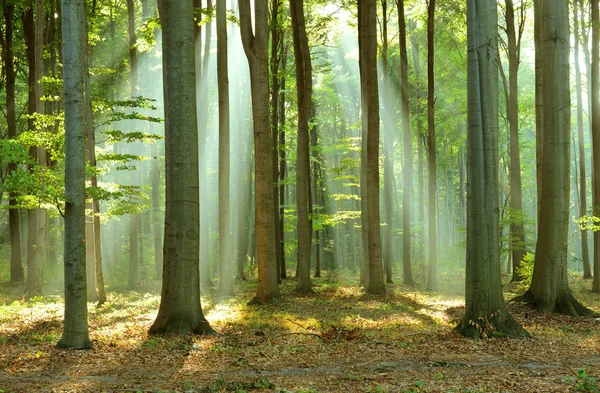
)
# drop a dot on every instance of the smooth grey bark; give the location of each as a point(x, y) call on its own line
point(303, 96)
point(277, 36)
point(388, 152)
point(134, 219)
point(75, 332)
point(256, 49)
point(549, 290)
point(34, 280)
point(431, 159)
point(282, 164)
point(225, 240)
point(486, 314)
point(367, 43)
point(517, 227)
point(17, 274)
point(585, 253)
point(407, 148)
point(180, 311)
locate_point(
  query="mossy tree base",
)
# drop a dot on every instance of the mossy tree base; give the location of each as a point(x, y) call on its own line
point(564, 304)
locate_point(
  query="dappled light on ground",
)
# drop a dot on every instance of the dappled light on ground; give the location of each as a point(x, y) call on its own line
point(336, 340)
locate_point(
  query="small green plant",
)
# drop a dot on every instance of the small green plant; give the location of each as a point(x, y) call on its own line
point(377, 389)
point(585, 383)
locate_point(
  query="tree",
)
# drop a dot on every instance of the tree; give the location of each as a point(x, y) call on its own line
point(180, 311)
point(595, 71)
point(517, 229)
point(225, 244)
point(408, 158)
point(549, 290)
point(432, 183)
point(485, 310)
point(367, 44)
point(6, 42)
point(585, 253)
point(134, 219)
point(255, 46)
point(75, 332)
point(387, 105)
point(303, 95)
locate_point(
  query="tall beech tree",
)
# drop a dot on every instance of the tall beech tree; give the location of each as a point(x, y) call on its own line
point(180, 310)
point(549, 290)
point(432, 181)
point(74, 41)
point(303, 95)
point(407, 169)
point(225, 243)
point(486, 313)
point(256, 48)
point(517, 227)
point(367, 44)
point(6, 42)
point(595, 71)
point(585, 252)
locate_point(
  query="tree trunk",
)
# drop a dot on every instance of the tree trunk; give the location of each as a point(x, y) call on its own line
point(225, 243)
point(303, 96)
point(367, 43)
point(282, 166)
point(585, 253)
point(517, 228)
point(388, 155)
point(132, 283)
point(432, 273)
point(75, 333)
point(408, 157)
point(180, 310)
point(17, 275)
point(201, 67)
point(256, 49)
point(549, 290)
point(595, 116)
point(486, 313)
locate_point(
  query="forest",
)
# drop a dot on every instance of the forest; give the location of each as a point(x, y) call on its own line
point(299, 197)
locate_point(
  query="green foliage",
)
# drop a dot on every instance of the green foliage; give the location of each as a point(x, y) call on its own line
point(585, 383)
point(588, 223)
point(525, 270)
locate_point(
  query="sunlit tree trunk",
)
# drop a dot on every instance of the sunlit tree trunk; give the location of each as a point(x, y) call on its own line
point(256, 49)
point(17, 275)
point(282, 165)
point(180, 310)
point(517, 228)
point(585, 253)
point(420, 165)
point(549, 290)
point(202, 63)
point(432, 272)
point(303, 95)
point(133, 80)
point(408, 156)
point(484, 303)
point(33, 285)
point(367, 43)
point(225, 243)
point(75, 332)
point(388, 152)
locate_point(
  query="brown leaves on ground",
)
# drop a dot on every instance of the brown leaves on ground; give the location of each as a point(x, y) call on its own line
point(337, 340)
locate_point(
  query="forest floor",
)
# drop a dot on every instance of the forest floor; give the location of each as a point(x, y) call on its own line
point(336, 340)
